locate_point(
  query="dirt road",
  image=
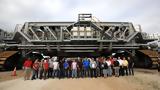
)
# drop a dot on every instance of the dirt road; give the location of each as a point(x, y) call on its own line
point(141, 81)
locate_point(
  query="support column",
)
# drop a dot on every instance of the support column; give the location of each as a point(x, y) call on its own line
point(133, 52)
point(61, 34)
point(48, 47)
point(101, 46)
point(110, 46)
point(23, 40)
point(58, 47)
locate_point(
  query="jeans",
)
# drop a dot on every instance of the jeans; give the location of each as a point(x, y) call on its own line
point(121, 71)
point(86, 72)
point(66, 73)
point(93, 72)
point(34, 74)
point(109, 71)
point(50, 72)
point(105, 72)
point(45, 73)
point(74, 73)
point(79, 73)
point(125, 70)
point(41, 73)
point(55, 73)
point(130, 70)
point(98, 72)
point(116, 71)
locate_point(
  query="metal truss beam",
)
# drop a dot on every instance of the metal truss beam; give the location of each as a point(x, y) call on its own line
point(34, 33)
point(47, 28)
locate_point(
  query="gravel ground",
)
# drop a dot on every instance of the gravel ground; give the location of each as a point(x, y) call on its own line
point(142, 80)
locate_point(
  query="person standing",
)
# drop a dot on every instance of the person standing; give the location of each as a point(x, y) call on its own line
point(116, 67)
point(79, 64)
point(41, 69)
point(85, 67)
point(55, 69)
point(101, 60)
point(66, 68)
point(50, 70)
point(93, 66)
point(125, 66)
point(110, 66)
point(104, 67)
point(98, 68)
point(27, 68)
point(130, 66)
point(45, 67)
point(74, 69)
point(121, 71)
point(35, 69)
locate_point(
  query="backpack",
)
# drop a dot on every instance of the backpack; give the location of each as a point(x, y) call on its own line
point(105, 65)
point(116, 63)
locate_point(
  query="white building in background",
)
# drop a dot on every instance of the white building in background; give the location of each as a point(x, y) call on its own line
point(5, 35)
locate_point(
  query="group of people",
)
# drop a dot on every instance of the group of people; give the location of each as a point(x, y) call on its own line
point(78, 67)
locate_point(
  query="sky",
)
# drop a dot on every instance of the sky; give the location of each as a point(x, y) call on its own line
point(143, 12)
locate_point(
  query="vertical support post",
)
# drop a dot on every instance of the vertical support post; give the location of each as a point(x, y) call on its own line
point(48, 47)
point(61, 34)
point(101, 46)
point(110, 46)
point(23, 43)
point(58, 47)
point(133, 50)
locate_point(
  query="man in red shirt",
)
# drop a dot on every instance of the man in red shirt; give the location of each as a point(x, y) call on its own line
point(27, 68)
point(111, 70)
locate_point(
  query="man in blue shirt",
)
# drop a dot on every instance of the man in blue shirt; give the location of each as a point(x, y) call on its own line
point(86, 64)
point(66, 68)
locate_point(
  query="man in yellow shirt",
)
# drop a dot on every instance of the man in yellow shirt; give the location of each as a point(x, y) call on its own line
point(125, 66)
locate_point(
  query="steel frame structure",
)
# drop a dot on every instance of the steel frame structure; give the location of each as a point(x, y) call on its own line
point(85, 35)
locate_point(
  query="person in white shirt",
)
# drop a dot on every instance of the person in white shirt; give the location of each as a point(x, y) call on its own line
point(55, 69)
point(74, 69)
point(109, 69)
point(121, 70)
point(93, 66)
point(50, 70)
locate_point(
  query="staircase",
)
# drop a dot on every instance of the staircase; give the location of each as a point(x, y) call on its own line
point(5, 55)
point(96, 23)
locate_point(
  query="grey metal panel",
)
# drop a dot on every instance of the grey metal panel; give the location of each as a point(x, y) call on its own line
point(50, 23)
point(47, 41)
point(20, 45)
point(70, 23)
point(107, 40)
point(79, 51)
point(78, 48)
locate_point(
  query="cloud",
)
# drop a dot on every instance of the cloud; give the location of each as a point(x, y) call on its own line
point(143, 12)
